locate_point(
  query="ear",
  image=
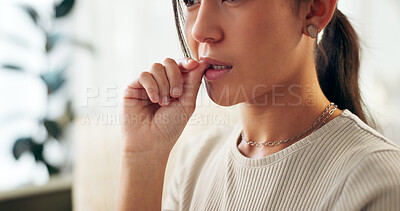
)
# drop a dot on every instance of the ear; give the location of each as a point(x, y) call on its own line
point(319, 13)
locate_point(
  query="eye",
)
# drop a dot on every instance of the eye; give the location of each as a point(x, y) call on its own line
point(231, 1)
point(190, 3)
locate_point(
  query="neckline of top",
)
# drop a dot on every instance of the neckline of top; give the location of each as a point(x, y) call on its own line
point(257, 162)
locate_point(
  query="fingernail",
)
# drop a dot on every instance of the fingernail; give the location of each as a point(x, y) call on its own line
point(165, 100)
point(176, 91)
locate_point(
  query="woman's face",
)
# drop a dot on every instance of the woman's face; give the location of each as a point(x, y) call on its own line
point(260, 39)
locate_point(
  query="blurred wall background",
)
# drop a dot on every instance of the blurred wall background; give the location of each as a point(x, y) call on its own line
point(125, 37)
point(35, 113)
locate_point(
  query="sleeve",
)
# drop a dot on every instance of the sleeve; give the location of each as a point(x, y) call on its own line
point(183, 157)
point(171, 200)
point(187, 155)
point(388, 200)
point(374, 184)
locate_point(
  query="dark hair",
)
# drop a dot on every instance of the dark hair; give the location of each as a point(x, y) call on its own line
point(338, 64)
point(337, 59)
point(179, 21)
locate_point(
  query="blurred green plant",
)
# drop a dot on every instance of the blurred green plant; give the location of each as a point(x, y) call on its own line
point(54, 79)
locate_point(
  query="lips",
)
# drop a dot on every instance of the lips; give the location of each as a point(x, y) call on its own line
point(213, 75)
point(213, 61)
point(215, 69)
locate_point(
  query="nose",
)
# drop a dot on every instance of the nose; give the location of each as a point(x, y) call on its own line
point(207, 28)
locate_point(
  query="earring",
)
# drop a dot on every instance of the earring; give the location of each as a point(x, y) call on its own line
point(312, 31)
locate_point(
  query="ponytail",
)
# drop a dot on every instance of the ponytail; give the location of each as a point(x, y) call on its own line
point(338, 63)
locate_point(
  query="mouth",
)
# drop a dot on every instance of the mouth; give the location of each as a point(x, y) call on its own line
point(215, 69)
point(215, 72)
point(218, 67)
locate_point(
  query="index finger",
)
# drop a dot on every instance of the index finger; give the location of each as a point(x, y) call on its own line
point(187, 64)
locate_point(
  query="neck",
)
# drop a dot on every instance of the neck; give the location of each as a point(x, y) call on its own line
point(285, 112)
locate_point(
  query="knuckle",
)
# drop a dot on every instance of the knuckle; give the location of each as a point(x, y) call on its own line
point(157, 66)
point(175, 77)
point(170, 61)
point(144, 74)
point(147, 82)
point(164, 83)
point(151, 91)
point(127, 92)
point(127, 89)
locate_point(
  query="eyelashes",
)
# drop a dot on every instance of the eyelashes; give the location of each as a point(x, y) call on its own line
point(190, 3)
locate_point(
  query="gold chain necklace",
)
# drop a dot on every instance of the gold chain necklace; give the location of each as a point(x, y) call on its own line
point(259, 144)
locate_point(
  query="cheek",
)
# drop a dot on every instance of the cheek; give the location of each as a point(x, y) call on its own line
point(265, 39)
point(263, 32)
point(192, 44)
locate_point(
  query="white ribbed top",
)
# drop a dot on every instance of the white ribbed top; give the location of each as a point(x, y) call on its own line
point(343, 165)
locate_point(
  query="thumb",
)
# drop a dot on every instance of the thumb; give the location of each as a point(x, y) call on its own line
point(192, 84)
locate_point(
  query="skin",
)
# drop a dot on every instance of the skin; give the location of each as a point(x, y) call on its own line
point(273, 73)
point(272, 57)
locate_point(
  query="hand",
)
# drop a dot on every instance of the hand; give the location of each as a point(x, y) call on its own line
point(150, 124)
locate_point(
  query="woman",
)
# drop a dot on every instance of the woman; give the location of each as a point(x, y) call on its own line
point(303, 142)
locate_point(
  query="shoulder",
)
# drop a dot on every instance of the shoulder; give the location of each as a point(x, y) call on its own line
point(374, 183)
point(380, 168)
point(372, 163)
point(357, 140)
point(381, 164)
point(355, 146)
point(360, 130)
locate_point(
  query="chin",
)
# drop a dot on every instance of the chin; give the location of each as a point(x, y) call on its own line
point(223, 95)
point(221, 99)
